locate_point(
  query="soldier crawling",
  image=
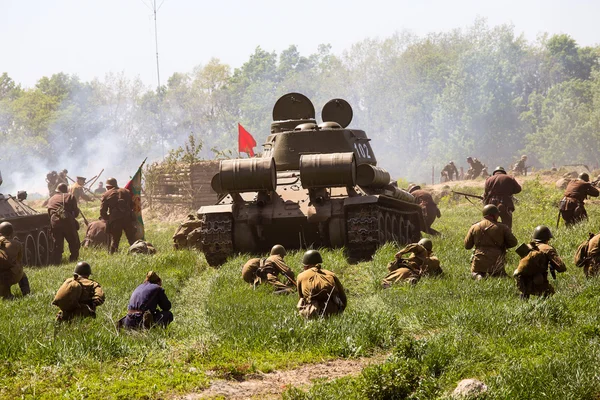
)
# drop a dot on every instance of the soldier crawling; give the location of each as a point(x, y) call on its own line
point(420, 263)
point(267, 270)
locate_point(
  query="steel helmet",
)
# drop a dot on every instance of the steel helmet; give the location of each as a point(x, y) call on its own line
point(83, 269)
point(413, 187)
point(278, 250)
point(542, 233)
point(490, 209)
point(312, 257)
point(6, 229)
point(62, 188)
point(427, 243)
point(499, 169)
point(112, 182)
point(584, 176)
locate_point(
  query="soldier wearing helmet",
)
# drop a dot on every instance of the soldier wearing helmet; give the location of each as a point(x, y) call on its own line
point(78, 296)
point(499, 190)
point(321, 292)
point(267, 270)
point(116, 207)
point(519, 168)
point(62, 177)
point(572, 206)
point(429, 209)
point(51, 180)
point(63, 211)
point(77, 189)
point(476, 167)
point(420, 263)
point(490, 240)
point(532, 273)
point(449, 172)
point(591, 263)
point(11, 263)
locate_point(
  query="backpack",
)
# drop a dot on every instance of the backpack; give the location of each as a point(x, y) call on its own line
point(142, 247)
point(581, 254)
point(532, 262)
point(68, 295)
point(60, 213)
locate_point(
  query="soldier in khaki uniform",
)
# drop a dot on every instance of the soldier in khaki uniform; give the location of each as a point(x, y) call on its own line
point(89, 294)
point(591, 267)
point(431, 264)
point(519, 168)
point(572, 205)
point(420, 263)
point(532, 273)
point(78, 190)
point(490, 239)
point(449, 172)
point(11, 263)
point(320, 291)
point(267, 270)
point(476, 168)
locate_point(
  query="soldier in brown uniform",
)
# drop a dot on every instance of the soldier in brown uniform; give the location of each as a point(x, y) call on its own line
point(499, 190)
point(78, 191)
point(449, 172)
point(63, 209)
point(429, 208)
point(591, 259)
point(320, 291)
point(116, 207)
point(11, 263)
point(532, 273)
point(431, 264)
point(519, 168)
point(96, 235)
point(62, 177)
point(267, 270)
point(490, 239)
point(79, 296)
point(475, 168)
point(420, 263)
point(572, 205)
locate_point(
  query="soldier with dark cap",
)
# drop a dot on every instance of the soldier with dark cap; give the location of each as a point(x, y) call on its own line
point(572, 206)
point(63, 211)
point(11, 263)
point(77, 189)
point(142, 310)
point(320, 291)
point(475, 168)
point(449, 172)
point(78, 296)
point(490, 239)
point(499, 190)
point(428, 207)
point(532, 273)
point(267, 270)
point(116, 207)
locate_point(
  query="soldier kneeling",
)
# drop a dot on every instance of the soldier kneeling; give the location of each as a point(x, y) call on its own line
point(78, 296)
point(532, 272)
point(142, 311)
point(267, 270)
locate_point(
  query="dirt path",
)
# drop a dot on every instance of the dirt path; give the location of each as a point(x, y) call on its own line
point(271, 385)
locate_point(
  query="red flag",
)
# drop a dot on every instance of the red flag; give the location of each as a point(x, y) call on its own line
point(246, 142)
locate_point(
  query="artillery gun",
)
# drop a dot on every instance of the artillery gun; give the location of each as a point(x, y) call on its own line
point(30, 227)
point(315, 185)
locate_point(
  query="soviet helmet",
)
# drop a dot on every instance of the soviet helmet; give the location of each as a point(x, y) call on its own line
point(278, 250)
point(413, 187)
point(112, 182)
point(584, 176)
point(490, 209)
point(427, 243)
point(64, 171)
point(499, 169)
point(469, 158)
point(523, 157)
point(542, 233)
point(83, 269)
point(312, 257)
point(451, 163)
point(6, 229)
point(62, 188)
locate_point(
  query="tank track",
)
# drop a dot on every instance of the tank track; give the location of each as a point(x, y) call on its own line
point(217, 234)
point(369, 226)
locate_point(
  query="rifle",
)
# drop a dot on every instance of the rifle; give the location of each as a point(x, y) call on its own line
point(467, 195)
point(85, 189)
point(84, 218)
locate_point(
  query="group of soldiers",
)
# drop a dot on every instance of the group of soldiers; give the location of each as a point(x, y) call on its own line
point(477, 168)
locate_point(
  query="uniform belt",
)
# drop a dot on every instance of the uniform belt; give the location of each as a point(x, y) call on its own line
point(135, 311)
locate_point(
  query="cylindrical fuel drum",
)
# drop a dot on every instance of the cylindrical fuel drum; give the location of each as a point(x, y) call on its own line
point(245, 175)
point(403, 195)
point(327, 170)
point(369, 175)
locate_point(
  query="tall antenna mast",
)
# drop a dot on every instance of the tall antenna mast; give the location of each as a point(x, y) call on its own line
point(156, 45)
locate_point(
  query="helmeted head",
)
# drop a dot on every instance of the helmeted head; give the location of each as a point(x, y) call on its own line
point(490, 210)
point(153, 277)
point(499, 170)
point(312, 257)
point(62, 188)
point(111, 182)
point(542, 233)
point(451, 163)
point(427, 243)
point(524, 157)
point(413, 187)
point(83, 269)
point(64, 172)
point(6, 229)
point(584, 177)
point(278, 250)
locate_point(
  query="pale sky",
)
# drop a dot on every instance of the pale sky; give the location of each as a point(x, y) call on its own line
point(92, 37)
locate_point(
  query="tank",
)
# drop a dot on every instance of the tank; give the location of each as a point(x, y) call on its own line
point(315, 185)
point(30, 227)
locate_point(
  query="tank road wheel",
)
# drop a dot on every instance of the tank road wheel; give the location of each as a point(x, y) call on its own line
point(29, 251)
point(43, 249)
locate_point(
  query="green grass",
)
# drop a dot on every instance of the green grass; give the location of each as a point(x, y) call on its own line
point(436, 333)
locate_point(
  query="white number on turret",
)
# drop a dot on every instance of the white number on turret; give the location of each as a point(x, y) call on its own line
point(362, 150)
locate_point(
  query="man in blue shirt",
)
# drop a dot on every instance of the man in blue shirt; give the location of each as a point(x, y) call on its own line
point(142, 311)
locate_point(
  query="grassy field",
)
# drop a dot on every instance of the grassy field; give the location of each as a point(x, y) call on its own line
point(434, 334)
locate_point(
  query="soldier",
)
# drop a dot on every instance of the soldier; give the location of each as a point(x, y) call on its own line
point(116, 207)
point(499, 190)
point(428, 206)
point(519, 168)
point(78, 190)
point(420, 263)
point(591, 264)
point(62, 177)
point(572, 205)
point(11, 263)
point(490, 239)
point(532, 273)
point(320, 291)
point(475, 168)
point(78, 296)
point(51, 180)
point(267, 270)
point(63, 209)
point(100, 189)
point(431, 264)
point(142, 310)
point(449, 172)
point(96, 235)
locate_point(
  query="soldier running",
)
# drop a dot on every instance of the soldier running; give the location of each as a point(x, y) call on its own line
point(63, 209)
point(572, 206)
point(519, 168)
point(475, 168)
point(490, 239)
point(267, 270)
point(116, 207)
point(11, 263)
point(78, 296)
point(499, 190)
point(532, 273)
point(321, 292)
point(428, 207)
point(449, 172)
